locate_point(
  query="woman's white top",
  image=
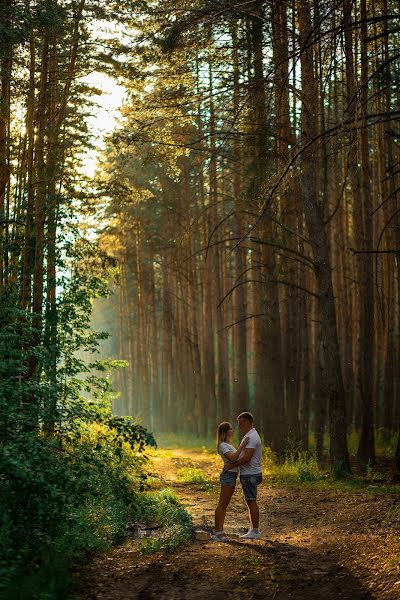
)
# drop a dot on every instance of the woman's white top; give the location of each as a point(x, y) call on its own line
point(223, 448)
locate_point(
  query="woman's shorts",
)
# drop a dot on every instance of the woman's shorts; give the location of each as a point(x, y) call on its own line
point(228, 478)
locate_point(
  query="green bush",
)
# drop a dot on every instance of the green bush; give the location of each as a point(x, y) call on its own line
point(61, 499)
point(70, 470)
point(165, 509)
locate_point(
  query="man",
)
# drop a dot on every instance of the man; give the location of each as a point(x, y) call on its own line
point(250, 471)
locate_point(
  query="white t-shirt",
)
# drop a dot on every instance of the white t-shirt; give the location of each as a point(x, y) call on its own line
point(223, 448)
point(253, 467)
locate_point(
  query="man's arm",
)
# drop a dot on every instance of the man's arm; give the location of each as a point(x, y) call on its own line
point(234, 456)
point(247, 454)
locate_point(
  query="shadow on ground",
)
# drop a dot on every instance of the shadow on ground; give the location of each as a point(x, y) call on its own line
point(216, 571)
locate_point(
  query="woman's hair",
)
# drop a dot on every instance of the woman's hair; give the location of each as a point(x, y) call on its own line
point(222, 432)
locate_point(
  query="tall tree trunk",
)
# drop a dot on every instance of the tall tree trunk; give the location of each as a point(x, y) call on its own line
point(27, 267)
point(268, 388)
point(240, 384)
point(50, 335)
point(5, 99)
point(154, 358)
point(366, 448)
point(317, 233)
point(167, 323)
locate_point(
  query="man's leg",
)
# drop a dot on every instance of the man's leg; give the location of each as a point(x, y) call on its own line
point(249, 485)
point(254, 513)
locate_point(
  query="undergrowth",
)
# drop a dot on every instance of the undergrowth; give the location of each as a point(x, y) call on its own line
point(301, 467)
point(195, 476)
point(164, 509)
point(61, 500)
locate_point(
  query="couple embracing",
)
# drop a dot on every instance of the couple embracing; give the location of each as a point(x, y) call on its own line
point(246, 460)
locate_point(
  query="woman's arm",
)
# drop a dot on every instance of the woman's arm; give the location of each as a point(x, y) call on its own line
point(233, 456)
point(248, 453)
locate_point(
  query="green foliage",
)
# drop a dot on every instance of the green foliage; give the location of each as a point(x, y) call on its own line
point(303, 469)
point(385, 442)
point(299, 467)
point(62, 498)
point(165, 509)
point(192, 475)
point(195, 476)
point(70, 470)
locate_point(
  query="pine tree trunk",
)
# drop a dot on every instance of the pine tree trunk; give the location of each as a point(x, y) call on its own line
point(5, 78)
point(268, 385)
point(317, 233)
point(366, 448)
point(27, 267)
point(240, 384)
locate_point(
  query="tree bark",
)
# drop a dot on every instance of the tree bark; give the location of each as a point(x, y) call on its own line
point(268, 384)
point(317, 233)
point(366, 447)
point(240, 384)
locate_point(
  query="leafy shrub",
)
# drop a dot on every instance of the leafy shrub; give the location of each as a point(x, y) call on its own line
point(62, 498)
point(165, 509)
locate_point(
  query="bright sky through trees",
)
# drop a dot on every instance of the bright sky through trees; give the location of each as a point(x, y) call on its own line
point(104, 116)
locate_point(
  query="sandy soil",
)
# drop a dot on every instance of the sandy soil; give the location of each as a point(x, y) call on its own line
point(315, 545)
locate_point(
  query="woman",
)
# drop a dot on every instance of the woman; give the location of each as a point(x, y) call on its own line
point(227, 479)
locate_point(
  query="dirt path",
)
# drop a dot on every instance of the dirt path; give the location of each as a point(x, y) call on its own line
point(316, 545)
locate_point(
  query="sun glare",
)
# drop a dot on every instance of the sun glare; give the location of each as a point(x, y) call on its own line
point(105, 115)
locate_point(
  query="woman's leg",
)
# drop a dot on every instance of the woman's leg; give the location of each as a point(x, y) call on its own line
point(224, 499)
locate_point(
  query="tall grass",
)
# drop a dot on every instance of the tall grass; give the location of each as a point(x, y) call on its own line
point(296, 467)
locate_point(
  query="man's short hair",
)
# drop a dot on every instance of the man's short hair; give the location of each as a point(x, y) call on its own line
point(246, 415)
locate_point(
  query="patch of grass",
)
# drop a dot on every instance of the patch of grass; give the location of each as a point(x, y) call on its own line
point(385, 445)
point(186, 440)
point(249, 567)
point(328, 484)
point(192, 475)
point(251, 561)
point(196, 476)
point(165, 509)
point(304, 471)
point(302, 468)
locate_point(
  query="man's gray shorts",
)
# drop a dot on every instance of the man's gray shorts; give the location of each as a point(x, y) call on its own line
point(228, 478)
point(250, 484)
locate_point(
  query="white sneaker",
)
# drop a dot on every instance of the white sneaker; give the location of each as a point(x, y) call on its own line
point(251, 535)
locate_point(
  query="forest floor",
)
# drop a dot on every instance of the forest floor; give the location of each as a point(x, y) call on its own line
point(318, 542)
